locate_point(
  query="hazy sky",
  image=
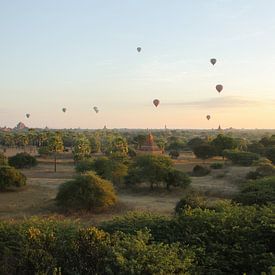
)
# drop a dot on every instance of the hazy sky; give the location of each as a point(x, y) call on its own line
point(79, 54)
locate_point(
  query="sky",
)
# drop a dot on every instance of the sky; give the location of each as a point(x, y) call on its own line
point(82, 53)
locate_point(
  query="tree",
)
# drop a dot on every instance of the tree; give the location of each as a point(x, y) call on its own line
point(55, 145)
point(176, 178)
point(222, 142)
point(241, 158)
point(195, 142)
point(81, 148)
point(204, 151)
point(119, 146)
point(95, 143)
point(270, 153)
point(139, 140)
point(88, 191)
point(150, 168)
point(260, 191)
point(3, 160)
point(174, 154)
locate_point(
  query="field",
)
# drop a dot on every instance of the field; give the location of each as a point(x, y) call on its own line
point(37, 198)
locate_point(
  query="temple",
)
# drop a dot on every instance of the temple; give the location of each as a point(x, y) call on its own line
point(150, 147)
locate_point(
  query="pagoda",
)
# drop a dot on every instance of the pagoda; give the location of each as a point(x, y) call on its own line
point(150, 147)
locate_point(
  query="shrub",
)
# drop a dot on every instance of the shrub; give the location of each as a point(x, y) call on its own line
point(191, 199)
point(270, 153)
point(216, 165)
point(3, 159)
point(260, 191)
point(10, 177)
point(230, 240)
point(241, 158)
point(44, 246)
point(88, 192)
point(176, 178)
point(22, 160)
point(84, 165)
point(262, 171)
point(200, 171)
point(204, 151)
point(174, 154)
point(44, 151)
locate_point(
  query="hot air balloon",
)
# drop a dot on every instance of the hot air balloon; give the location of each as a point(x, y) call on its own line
point(139, 49)
point(64, 110)
point(208, 117)
point(96, 109)
point(156, 102)
point(213, 61)
point(28, 115)
point(219, 88)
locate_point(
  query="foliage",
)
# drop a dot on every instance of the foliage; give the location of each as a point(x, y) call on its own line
point(192, 200)
point(10, 177)
point(84, 165)
point(262, 171)
point(222, 142)
point(270, 153)
point(81, 148)
point(204, 151)
point(88, 192)
point(111, 169)
point(152, 169)
point(195, 142)
point(22, 160)
point(44, 151)
point(174, 154)
point(42, 246)
point(200, 171)
point(232, 240)
point(216, 165)
point(3, 159)
point(176, 178)
point(241, 158)
point(260, 191)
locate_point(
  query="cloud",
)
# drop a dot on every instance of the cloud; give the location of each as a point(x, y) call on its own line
point(223, 102)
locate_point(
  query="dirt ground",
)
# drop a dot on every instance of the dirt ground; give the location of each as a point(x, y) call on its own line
point(37, 198)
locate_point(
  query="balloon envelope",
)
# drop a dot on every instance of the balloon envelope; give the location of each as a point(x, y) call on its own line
point(219, 88)
point(213, 61)
point(156, 102)
point(96, 109)
point(208, 117)
point(28, 115)
point(139, 49)
point(64, 110)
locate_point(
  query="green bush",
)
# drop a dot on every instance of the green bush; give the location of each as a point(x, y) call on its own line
point(84, 165)
point(87, 192)
point(22, 160)
point(42, 246)
point(200, 171)
point(230, 240)
point(174, 154)
point(266, 170)
point(216, 165)
point(270, 153)
point(3, 159)
point(10, 177)
point(192, 200)
point(44, 151)
point(240, 157)
point(260, 191)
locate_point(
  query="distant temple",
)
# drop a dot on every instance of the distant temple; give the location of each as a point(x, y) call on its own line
point(150, 147)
